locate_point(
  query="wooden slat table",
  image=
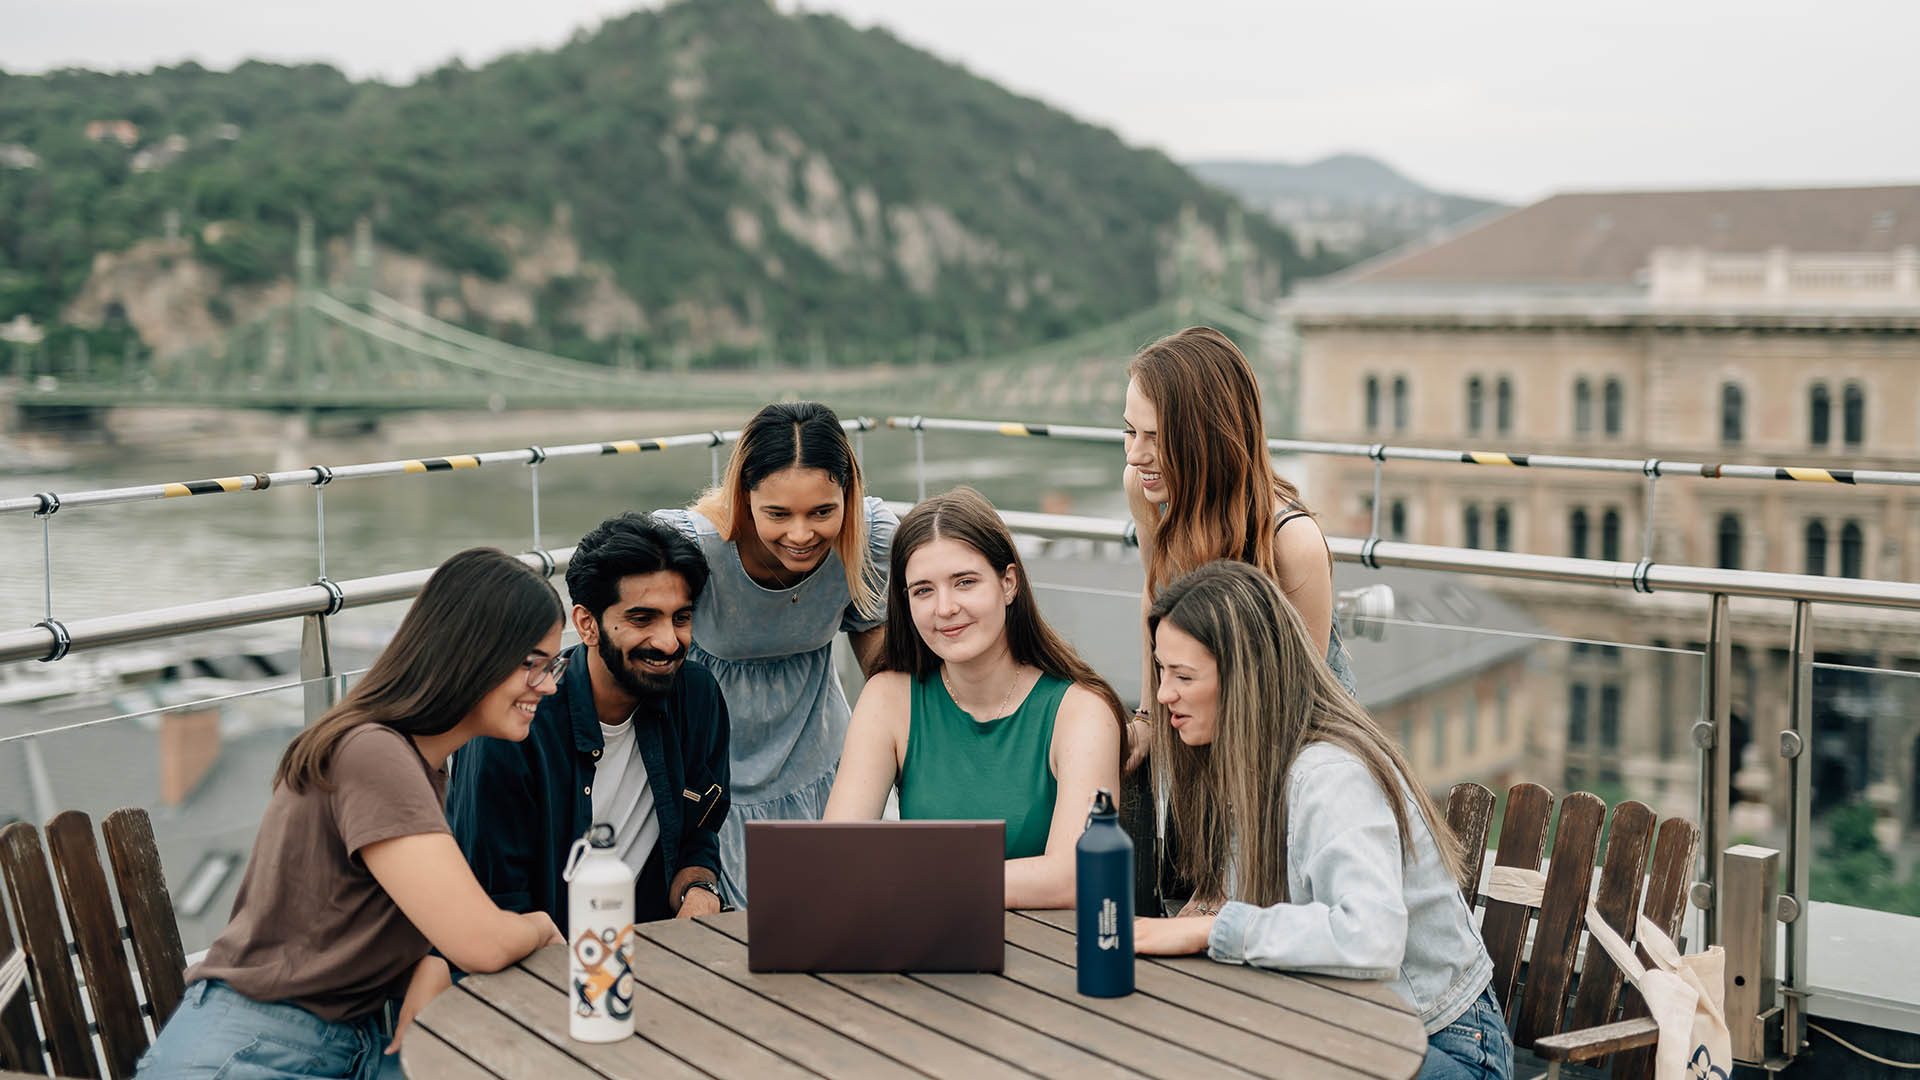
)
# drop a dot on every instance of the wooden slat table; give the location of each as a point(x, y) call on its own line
point(699, 1012)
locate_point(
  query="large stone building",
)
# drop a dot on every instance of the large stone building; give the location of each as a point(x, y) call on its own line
point(1778, 327)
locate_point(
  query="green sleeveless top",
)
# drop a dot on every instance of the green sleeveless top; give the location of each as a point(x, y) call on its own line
point(960, 768)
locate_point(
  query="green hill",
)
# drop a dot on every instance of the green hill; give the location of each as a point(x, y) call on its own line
point(714, 176)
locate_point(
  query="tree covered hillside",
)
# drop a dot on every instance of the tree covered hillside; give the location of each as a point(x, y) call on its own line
point(714, 175)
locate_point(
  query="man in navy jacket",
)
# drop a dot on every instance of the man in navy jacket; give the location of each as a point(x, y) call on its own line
point(635, 736)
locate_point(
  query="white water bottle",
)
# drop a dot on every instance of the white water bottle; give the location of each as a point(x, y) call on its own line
point(599, 939)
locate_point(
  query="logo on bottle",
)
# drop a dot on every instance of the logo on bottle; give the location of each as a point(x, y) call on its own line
point(1109, 924)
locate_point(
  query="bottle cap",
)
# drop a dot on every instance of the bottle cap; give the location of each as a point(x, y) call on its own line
point(600, 835)
point(1102, 804)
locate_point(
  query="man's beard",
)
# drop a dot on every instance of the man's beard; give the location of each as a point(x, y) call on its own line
point(644, 685)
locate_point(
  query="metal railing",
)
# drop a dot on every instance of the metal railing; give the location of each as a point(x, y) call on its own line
point(315, 604)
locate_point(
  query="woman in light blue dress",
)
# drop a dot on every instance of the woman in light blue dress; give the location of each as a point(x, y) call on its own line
point(798, 554)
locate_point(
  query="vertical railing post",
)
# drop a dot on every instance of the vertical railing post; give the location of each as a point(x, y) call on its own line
point(1713, 734)
point(920, 458)
point(318, 679)
point(1796, 745)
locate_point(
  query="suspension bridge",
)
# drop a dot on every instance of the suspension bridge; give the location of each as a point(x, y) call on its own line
point(367, 354)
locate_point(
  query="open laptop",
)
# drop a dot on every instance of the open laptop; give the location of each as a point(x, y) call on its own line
point(876, 895)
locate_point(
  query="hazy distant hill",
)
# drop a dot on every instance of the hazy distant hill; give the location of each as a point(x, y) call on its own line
point(713, 175)
point(1348, 203)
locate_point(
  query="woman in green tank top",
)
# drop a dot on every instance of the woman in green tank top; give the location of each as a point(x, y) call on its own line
point(981, 711)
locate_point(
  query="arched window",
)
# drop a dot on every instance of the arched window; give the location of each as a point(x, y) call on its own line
point(1853, 414)
point(1397, 520)
point(1400, 403)
point(1582, 407)
point(1577, 534)
point(1819, 414)
point(1733, 405)
point(1470, 520)
point(1610, 535)
point(1729, 542)
point(1853, 550)
point(1502, 528)
point(1476, 405)
point(1503, 406)
point(1373, 402)
point(1613, 408)
point(1816, 544)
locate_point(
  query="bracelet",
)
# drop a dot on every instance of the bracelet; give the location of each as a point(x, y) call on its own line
point(1141, 714)
point(702, 884)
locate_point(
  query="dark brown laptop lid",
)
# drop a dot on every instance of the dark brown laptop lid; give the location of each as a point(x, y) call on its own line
point(876, 895)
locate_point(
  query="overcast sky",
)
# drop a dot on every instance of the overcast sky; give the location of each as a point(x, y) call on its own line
point(1502, 98)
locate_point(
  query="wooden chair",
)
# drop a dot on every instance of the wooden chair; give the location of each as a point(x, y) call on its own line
point(88, 904)
point(1557, 1017)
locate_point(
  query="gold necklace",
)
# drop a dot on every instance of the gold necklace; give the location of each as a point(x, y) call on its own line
point(997, 713)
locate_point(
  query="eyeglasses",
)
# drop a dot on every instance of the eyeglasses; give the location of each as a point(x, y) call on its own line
point(538, 669)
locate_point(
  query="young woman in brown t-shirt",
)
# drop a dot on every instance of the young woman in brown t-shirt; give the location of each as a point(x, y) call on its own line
point(355, 873)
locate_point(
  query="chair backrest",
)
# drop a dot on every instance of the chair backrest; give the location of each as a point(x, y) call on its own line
point(117, 1009)
point(1550, 1001)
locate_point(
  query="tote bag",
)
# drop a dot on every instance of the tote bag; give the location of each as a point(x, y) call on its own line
point(1685, 995)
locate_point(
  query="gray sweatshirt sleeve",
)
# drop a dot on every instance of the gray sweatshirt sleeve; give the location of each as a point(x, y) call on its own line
point(1350, 918)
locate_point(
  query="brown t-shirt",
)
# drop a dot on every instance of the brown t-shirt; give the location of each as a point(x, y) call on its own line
point(311, 926)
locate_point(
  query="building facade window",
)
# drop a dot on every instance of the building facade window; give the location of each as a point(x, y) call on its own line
point(1503, 406)
point(1470, 524)
point(1577, 534)
point(1853, 550)
point(1582, 407)
point(1816, 545)
point(1609, 717)
point(1500, 717)
point(1397, 519)
point(1502, 528)
point(1400, 404)
point(1372, 394)
point(1613, 408)
point(1439, 734)
point(1728, 545)
point(1819, 414)
point(1733, 407)
point(1470, 725)
point(1476, 405)
point(1610, 535)
point(1853, 415)
point(1576, 714)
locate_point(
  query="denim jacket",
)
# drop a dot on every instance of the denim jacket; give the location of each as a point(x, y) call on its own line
point(1359, 907)
point(517, 808)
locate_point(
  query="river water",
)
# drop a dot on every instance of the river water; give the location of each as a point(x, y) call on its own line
point(136, 556)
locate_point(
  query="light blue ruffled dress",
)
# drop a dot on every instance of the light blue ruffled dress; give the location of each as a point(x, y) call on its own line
point(772, 652)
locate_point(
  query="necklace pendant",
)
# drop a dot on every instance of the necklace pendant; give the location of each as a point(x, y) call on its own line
point(795, 598)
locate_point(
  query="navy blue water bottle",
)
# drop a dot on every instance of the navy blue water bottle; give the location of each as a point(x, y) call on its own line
point(1103, 904)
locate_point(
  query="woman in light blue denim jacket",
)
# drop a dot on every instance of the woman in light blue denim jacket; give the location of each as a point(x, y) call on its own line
point(1300, 858)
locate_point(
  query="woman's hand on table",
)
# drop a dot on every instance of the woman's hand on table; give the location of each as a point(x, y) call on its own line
point(1172, 937)
point(430, 976)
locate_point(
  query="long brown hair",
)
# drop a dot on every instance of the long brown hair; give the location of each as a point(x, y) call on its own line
point(964, 515)
point(1276, 696)
point(472, 626)
point(798, 435)
point(1222, 488)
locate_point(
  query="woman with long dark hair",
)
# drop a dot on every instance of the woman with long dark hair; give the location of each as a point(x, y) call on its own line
point(798, 555)
point(1309, 842)
point(1201, 486)
point(354, 871)
point(983, 711)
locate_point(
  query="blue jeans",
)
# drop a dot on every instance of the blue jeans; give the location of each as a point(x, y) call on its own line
point(1475, 1046)
point(219, 1034)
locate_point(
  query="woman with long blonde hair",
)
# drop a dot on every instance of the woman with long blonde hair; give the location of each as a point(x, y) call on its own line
point(1201, 486)
point(1309, 841)
point(983, 711)
point(798, 554)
